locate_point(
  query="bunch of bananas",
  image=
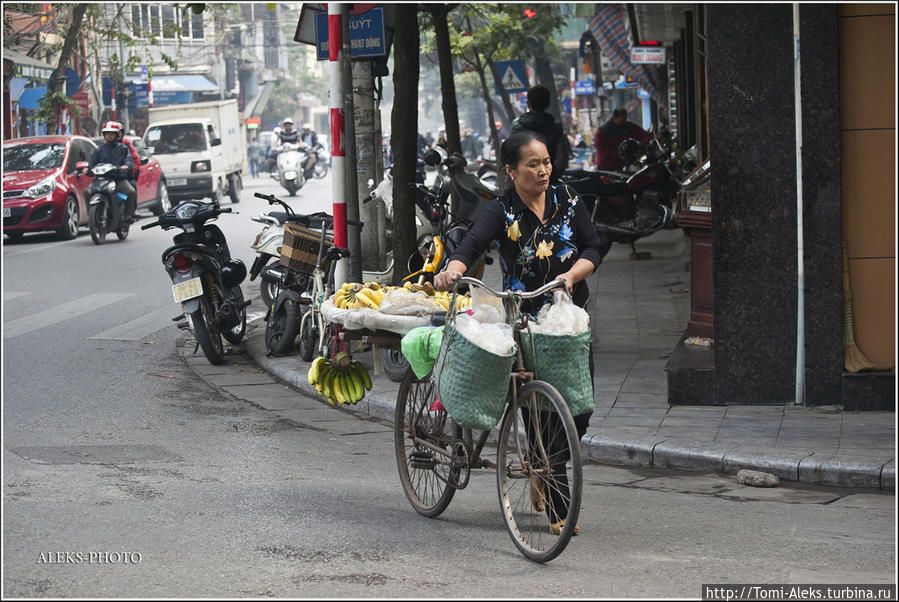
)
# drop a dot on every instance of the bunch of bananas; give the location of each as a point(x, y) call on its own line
point(353, 295)
point(440, 299)
point(342, 381)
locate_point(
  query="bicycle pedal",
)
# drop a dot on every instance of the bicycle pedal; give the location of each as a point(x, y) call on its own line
point(183, 325)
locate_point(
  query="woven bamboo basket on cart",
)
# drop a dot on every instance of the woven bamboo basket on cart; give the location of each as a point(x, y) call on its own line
point(299, 250)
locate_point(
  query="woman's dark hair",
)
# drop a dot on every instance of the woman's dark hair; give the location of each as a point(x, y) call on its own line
point(510, 151)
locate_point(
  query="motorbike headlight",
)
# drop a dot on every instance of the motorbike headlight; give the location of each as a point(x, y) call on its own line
point(42, 188)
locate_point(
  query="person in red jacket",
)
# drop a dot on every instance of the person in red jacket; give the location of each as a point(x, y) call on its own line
point(611, 134)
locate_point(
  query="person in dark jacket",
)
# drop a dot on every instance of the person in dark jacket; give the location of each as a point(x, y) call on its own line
point(119, 154)
point(538, 120)
point(544, 232)
point(611, 134)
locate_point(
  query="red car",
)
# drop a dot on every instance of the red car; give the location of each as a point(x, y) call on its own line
point(42, 189)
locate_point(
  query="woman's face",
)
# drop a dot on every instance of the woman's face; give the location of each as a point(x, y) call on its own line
point(531, 175)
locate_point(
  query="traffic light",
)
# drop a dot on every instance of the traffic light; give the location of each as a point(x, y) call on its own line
point(529, 12)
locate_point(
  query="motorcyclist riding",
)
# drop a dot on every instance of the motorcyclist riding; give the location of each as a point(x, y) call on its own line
point(117, 153)
point(287, 133)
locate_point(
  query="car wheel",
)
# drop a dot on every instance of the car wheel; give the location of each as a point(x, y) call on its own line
point(235, 186)
point(69, 228)
point(165, 203)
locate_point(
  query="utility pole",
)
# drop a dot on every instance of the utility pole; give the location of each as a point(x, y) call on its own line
point(367, 147)
point(126, 123)
point(352, 189)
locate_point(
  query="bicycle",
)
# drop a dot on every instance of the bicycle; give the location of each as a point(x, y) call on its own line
point(435, 457)
point(307, 287)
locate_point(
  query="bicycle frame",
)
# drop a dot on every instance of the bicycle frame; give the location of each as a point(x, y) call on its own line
point(322, 288)
point(519, 376)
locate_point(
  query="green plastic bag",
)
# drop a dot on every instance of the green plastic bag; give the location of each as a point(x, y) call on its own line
point(420, 347)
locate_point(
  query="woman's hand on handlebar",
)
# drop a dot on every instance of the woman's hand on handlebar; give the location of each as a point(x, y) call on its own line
point(445, 280)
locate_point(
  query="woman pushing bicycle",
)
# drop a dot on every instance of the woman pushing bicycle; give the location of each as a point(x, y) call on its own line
point(544, 233)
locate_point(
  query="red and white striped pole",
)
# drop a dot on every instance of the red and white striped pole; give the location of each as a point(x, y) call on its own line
point(338, 153)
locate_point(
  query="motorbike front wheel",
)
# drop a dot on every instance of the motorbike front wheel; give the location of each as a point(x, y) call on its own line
point(291, 188)
point(282, 328)
point(98, 221)
point(321, 170)
point(206, 330)
point(122, 232)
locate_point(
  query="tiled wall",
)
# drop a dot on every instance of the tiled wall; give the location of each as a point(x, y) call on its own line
point(868, 141)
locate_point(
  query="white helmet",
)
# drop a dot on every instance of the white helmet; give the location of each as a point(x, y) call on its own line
point(277, 130)
point(287, 120)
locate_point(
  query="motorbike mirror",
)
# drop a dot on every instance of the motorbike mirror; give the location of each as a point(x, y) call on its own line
point(215, 142)
point(81, 166)
point(370, 183)
point(431, 157)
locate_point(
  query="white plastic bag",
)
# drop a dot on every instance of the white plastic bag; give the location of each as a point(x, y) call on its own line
point(561, 317)
point(486, 307)
point(494, 337)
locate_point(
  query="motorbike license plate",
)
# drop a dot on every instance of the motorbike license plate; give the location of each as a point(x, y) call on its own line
point(178, 182)
point(7, 212)
point(187, 289)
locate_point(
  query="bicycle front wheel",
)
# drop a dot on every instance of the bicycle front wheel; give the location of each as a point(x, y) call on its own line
point(426, 474)
point(538, 472)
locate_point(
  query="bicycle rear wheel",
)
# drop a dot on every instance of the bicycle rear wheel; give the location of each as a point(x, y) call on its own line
point(426, 474)
point(538, 472)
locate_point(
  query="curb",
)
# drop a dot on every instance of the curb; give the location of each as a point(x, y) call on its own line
point(638, 450)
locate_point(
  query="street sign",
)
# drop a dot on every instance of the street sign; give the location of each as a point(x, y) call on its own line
point(253, 123)
point(584, 87)
point(511, 73)
point(647, 55)
point(367, 37)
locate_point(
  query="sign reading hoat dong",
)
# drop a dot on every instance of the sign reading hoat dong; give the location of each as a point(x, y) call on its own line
point(366, 34)
point(511, 73)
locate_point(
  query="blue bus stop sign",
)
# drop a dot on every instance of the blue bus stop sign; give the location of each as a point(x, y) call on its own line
point(367, 38)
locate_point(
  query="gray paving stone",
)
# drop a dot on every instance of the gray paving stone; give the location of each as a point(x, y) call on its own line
point(783, 463)
point(751, 411)
point(888, 476)
point(698, 411)
point(273, 389)
point(221, 380)
point(843, 470)
point(747, 432)
point(689, 432)
point(618, 448)
point(696, 421)
point(686, 454)
point(644, 412)
point(754, 441)
point(614, 421)
point(647, 400)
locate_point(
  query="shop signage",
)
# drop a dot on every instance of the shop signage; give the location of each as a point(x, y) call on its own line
point(253, 123)
point(647, 55)
point(584, 88)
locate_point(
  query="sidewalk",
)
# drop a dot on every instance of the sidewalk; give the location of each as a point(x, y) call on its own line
point(640, 309)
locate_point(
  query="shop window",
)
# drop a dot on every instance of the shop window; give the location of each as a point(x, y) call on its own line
point(154, 21)
point(169, 28)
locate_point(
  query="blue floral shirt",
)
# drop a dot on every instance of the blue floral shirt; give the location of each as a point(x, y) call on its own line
point(532, 252)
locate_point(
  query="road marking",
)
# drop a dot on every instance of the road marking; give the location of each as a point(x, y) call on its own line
point(43, 246)
point(138, 328)
point(7, 295)
point(61, 313)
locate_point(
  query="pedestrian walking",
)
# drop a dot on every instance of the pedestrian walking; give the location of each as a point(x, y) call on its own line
point(254, 152)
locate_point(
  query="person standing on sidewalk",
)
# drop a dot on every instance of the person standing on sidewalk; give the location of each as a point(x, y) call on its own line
point(544, 233)
point(254, 151)
point(538, 120)
point(611, 134)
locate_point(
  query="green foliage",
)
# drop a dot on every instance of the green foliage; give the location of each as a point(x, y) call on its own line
point(51, 104)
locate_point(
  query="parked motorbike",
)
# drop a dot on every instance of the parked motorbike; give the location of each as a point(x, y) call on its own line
point(105, 205)
point(627, 207)
point(205, 280)
point(291, 159)
point(322, 162)
point(267, 245)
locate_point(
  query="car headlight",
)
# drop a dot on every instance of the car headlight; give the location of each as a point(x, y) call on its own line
point(42, 188)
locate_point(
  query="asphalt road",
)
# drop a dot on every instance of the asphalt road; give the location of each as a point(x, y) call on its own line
point(127, 475)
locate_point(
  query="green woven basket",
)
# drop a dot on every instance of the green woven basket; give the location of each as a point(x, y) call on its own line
point(563, 362)
point(471, 382)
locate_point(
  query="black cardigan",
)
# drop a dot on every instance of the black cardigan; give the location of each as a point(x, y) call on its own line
point(533, 253)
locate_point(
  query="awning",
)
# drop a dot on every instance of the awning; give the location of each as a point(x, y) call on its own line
point(182, 83)
point(25, 66)
point(30, 98)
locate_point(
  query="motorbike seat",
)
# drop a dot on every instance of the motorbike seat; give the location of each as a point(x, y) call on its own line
point(281, 216)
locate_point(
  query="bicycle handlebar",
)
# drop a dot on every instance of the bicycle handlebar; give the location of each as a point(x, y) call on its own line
point(506, 294)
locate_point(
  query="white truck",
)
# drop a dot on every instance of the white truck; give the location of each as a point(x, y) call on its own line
point(201, 148)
